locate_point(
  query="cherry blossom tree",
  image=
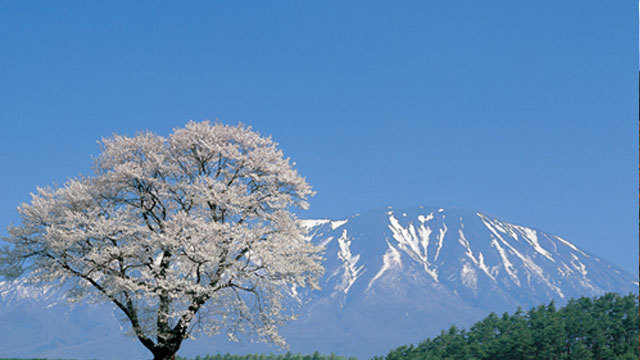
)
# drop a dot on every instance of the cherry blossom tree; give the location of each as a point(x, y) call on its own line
point(186, 235)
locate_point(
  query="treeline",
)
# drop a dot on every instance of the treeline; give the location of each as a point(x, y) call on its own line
point(288, 356)
point(601, 328)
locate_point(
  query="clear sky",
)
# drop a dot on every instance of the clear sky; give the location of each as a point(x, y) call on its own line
point(526, 110)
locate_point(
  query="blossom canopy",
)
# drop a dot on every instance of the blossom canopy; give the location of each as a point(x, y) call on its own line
point(184, 234)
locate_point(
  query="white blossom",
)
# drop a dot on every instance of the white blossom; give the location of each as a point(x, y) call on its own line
point(187, 234)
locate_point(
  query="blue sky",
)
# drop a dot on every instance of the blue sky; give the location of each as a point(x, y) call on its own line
point(524, 110)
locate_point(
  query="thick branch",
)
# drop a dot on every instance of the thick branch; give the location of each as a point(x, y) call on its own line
point(128, 309)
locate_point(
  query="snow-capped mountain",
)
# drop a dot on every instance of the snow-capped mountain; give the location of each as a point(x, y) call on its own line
point(392, 277)
point(398, 276)
point(478, 257)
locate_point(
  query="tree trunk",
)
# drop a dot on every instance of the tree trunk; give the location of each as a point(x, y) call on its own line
point(164, 356)
point(168, 344)
point(164, 353)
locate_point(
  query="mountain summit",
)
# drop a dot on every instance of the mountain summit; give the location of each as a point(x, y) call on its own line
point(485, 260)
point(392, 277)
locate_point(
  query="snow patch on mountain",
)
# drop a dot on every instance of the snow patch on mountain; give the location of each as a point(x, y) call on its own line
point(537, 270)
point(325, 242)
point(312, 223)
point(390, 260)
point(442, 232)
point(572, 246)
point(575, 262)
point(425, 233)
point(506, 264)
point(424, 219)
point(469, 276)
point(532, 267)
point(532, 237)
point(479, 262)
point(336, 224)
point(351, 270)
point(410, 242)
point(528, 234)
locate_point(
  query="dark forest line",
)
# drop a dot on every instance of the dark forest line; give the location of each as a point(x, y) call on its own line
point(584, 329)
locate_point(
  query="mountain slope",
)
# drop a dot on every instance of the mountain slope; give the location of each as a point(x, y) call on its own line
point(392, 277)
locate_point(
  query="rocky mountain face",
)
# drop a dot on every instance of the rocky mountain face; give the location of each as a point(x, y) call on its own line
point(392, 277)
